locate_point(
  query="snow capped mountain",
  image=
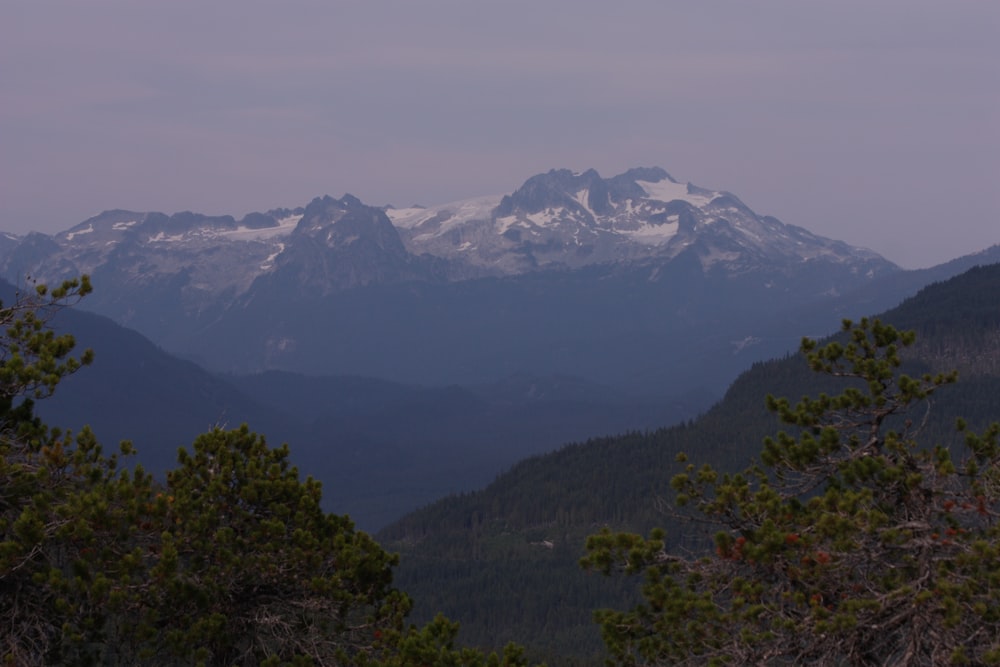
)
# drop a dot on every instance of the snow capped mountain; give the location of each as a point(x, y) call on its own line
point(339, 244)
point(567, 220)
point(329, 244)
point(557, 220)
point(175, 276)
point(628, 281)
point(217, 255)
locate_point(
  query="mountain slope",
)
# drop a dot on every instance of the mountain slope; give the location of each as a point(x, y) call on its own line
point(135, 391)
point(645, 329)
point(381, 449)
point(502, 561)
point(395, 447)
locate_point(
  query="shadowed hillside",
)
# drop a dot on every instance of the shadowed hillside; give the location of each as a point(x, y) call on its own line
point(502, 561)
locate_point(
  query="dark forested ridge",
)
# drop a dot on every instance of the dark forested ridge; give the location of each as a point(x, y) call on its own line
point(384, 448)
point(503, 561)
point(136, 391)
point(381, 448)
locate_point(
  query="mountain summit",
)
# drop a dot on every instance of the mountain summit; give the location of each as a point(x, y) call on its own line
point(564, 219)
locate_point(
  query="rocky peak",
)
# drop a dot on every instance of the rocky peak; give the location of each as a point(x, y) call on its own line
point(624, 186)
point(564, 219)
point(345, 222)
point(559, 188)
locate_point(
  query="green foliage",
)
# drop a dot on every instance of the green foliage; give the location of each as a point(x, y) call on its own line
point(477, 556)
point(247, 566)
point(230, 561)
point(33, 359)
point(851, 544)
point(434, 646)
point(61, 498)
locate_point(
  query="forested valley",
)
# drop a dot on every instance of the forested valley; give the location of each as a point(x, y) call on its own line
point(504, 561)
point(230, 559)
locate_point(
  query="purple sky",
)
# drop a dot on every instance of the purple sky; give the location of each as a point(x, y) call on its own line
point(877, 123)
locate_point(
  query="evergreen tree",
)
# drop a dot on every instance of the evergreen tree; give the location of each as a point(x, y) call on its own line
point(61, 498)
point(249, 567)
point(849, 544)
point(230, 561)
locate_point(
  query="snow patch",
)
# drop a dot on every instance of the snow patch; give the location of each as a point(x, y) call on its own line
point(121, 226)
point(654, 235)
point(88, 230)
point(268, 263)
point(284, 227)
point(582, 198)
point(667, 191)
point(460, 212)
point(407, 218)
point(505, 223)
point(163, 238)
point(544, 218)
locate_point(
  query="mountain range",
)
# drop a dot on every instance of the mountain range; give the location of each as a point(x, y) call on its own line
point(557, 220)
point(571, 274)
point(410, 353)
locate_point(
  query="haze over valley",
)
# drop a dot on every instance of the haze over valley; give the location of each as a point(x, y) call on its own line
point(407, 354)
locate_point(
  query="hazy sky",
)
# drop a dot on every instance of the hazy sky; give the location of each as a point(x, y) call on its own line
point(874, 122)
